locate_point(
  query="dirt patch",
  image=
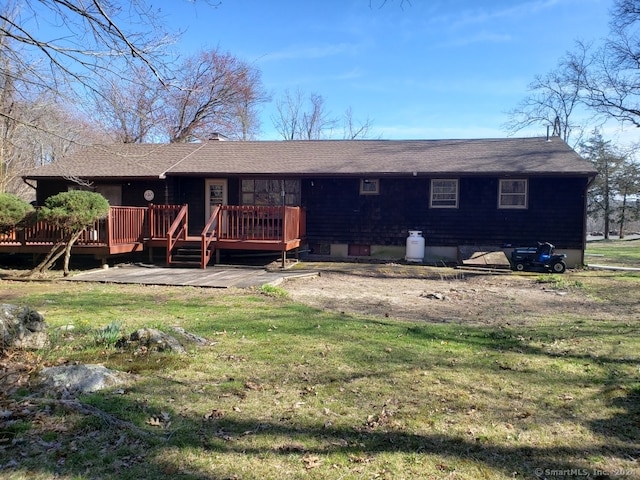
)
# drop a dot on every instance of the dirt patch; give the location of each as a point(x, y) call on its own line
point(446, 296)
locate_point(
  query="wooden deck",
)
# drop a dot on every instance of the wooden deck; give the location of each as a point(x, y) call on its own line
point(136, 229)
point(219, 276)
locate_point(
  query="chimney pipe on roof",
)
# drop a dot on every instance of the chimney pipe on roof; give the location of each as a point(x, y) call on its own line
point(218, 137)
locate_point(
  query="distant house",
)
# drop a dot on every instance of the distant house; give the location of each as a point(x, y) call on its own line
point(360, 198)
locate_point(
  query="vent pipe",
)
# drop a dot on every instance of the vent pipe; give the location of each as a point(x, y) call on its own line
point(218, 137)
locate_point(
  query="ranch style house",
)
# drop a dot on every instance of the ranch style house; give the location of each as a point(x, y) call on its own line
point(328, 198)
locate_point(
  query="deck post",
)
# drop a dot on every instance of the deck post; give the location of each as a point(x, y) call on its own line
point(152, 220)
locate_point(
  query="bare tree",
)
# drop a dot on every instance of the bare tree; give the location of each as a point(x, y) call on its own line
point(212, 89)
point(129, 109)
point(353, 129)
point(555, 99)
point(302, 119)
point(245, 112)
point(288, 120)
point(307, 118)
point(316, 121)
point(97, 38)
point(42, 74)
point(34, 127)
point(382, 3)
point(613, 79)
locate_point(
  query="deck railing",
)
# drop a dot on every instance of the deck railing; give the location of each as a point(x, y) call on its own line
point(208, 235)
point(177, 231)
point(161, 217)
point(250, 222)
point(132, 226)
point(122, 226)
point(125, 225)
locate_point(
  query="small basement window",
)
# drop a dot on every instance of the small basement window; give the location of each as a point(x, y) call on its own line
point(369, 186)
point(444, 193)
point(512, 193)
point(359, 250)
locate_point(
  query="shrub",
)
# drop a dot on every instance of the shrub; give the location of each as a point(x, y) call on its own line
point(74, 210)
point(12, 210)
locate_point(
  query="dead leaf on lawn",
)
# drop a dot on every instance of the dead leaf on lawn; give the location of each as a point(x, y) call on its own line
point(154, 421)
point(341, 442)
point(213, 414)
point(292, 448)
point(311, 461)
point(375, 421)
point(309, 391)
point(359, 459)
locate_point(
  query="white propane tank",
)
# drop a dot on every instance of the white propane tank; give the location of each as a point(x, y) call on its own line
point(415, 246)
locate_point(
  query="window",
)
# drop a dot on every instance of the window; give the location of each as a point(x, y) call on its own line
point(268, 192)
point(444, 193)
point(512, 194)
point(369, 186)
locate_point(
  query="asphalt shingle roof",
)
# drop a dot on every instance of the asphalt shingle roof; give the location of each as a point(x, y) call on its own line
point(531, 156)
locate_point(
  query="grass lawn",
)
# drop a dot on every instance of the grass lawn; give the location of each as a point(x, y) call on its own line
point(614, 252)
point(285, 391)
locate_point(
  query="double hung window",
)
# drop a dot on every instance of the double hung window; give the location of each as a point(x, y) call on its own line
point(512, 193)
point(444, 193)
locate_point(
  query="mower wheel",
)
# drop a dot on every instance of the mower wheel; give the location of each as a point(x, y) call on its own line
point(559, 267)
point(519, 267)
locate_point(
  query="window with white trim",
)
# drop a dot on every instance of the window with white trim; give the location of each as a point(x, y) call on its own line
point(369, 186)
point(444, 193)
point(513, 193)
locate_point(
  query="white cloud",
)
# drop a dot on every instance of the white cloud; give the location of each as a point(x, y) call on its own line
point(480, 37)
point(297, 52)
point(483, 16)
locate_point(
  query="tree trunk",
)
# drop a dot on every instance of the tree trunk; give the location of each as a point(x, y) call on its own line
point(67, 251)
point(56, 251)
point(623, 216)
point(607, 210)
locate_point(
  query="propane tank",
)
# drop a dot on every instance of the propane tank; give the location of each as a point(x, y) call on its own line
point(415, 246)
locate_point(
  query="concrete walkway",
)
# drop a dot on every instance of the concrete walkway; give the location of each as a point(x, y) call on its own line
point(611, 267)
point(219, 276)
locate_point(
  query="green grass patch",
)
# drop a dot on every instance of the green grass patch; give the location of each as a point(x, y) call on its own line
point(287, 391)
point(614, 252)
point(558, 282)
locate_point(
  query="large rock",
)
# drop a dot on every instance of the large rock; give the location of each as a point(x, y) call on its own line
point(22, 327)
point(81, 378)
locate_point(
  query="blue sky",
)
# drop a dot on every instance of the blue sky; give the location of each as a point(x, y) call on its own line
point(431, 69)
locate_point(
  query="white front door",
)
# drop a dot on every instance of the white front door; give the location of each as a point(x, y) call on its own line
point(216, 194)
